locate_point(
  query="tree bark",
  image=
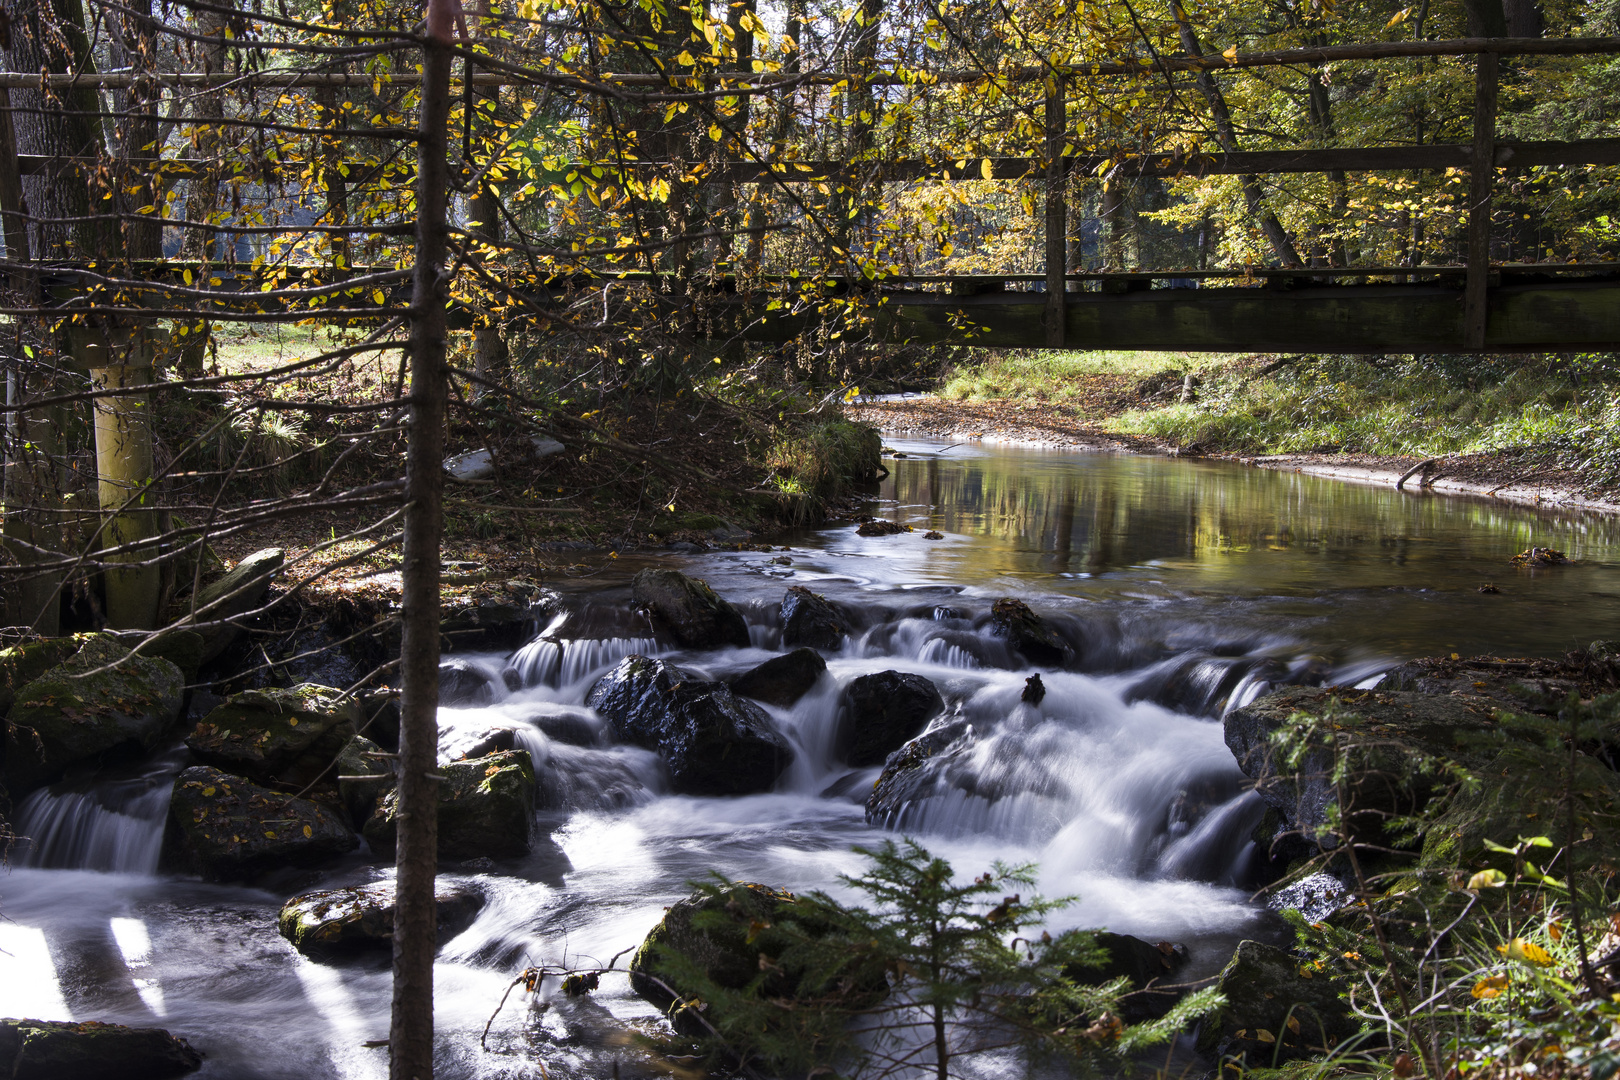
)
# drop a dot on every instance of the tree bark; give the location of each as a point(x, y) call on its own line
point(415, 922)
point(489, 351)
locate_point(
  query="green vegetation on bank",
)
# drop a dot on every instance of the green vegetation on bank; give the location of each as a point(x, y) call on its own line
point(1560, 409)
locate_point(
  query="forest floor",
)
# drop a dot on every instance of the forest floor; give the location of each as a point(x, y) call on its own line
point(1083, 423)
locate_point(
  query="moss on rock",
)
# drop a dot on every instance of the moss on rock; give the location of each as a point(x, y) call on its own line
point(227, 828)
point(67, 1050)
point(260, 734)
point(486, 807)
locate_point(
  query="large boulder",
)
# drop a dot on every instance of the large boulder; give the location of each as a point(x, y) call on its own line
point(240, 590)
point(882, 712)
point(335, 921)
point(486, 809)
point(266, 734)
point(1277, 1009)
point(1395, 743)
point(746, 926)
point(1148, 968)
point(932, 760)
point(463, 683)
point(711, 741)
point(781, 680)
point(89, 1050)
point(363, 776)
point(807, 619)
point(101, 702)
point(1029, 634)
point(227, 828)
point(698, 616)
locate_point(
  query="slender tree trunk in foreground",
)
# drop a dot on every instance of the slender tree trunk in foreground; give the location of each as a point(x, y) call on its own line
point(410, 1046)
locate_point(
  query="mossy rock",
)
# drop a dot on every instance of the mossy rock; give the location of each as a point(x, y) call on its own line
point(68, 1050)
point(486, 809)
point(725, 938)
point(227, 828)
point(336, 921)
point(260, 734)
point(360, 795)
point(102, 702)
point(1278, 1008)
point(22, 664)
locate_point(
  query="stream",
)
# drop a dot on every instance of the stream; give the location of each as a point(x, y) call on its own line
point(1192, 587)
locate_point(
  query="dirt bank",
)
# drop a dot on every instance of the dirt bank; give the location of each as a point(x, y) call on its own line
point(1504, 475)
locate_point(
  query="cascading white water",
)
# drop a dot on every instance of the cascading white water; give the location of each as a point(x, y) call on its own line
point(116, 826)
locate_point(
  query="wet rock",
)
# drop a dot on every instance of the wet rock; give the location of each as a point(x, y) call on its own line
point(241, 590)
point(89, 1050)
point(712, 742)
point(499, 622)
point(570, 729)
point(68, 715)
point(23, 663)
point(933, 534)
point(460, 744)
point(512, 679)
point(882, 712)
point(463, 683)
point(276, 735)
point(807, 619)
point(1028, 633)
point(730, 951)
point(485, 809)
point(910, 772)
point(876, 527)
point(227, 828)
point(335, 921)
point(1149, 966)
point(781, 680)
point(698, 616)
point(1265, 989)
point(1034, 691)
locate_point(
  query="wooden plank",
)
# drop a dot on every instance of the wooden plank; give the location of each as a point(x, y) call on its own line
point(1057, 216)
point(1341, 319)
point(1481, 173)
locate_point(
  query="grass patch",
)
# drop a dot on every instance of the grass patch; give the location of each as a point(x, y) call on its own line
point(1045, 375)
point(1403, 405)
point(825, 458)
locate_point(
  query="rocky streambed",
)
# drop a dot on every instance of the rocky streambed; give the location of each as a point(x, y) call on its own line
point(211, 858)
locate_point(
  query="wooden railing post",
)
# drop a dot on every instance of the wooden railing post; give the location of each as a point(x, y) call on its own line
point(1482, 170)
point(1057, 215)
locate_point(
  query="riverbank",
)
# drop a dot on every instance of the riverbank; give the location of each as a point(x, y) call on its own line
point(1510, 475)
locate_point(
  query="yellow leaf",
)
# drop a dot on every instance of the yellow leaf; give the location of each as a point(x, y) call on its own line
point(1526, 952)
point(1489, 988)
point(1262, 1035)
point(377, 295)
point(1487, 879)
point(270, 833)
point(308, 832)
point(986, 169)
point(1231, 54)
point(207, 791)
point(187, 277)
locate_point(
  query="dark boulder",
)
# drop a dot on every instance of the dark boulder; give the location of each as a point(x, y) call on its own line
point(241, 590)
point(1273, 1011)
point(698, 616)
point(711, 741)
point(877, 527)
point(499, 622)
point(266, 735)
point(1029, 634)
point(69, 715)
point(915, 771)
point(781, 680)
point(807, 619)
point(68, 1050)
point(568, 728)
point(363, 776)
point(486, 809)
point(226, 828)
point(1148, 968)
point(335, 921)
point(463, 683)
point(747, 926)
point(882, 712)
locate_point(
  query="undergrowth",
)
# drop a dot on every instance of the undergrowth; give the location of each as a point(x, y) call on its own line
point(1561, 406)
point(1055, 376)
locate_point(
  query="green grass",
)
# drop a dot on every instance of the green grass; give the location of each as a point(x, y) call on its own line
point(1054, 376)
point(1428, 406)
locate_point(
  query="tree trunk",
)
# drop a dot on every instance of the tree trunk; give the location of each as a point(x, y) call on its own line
point(119, 360)
point(415, 921)
point(1226, 135)
point(489, 351)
